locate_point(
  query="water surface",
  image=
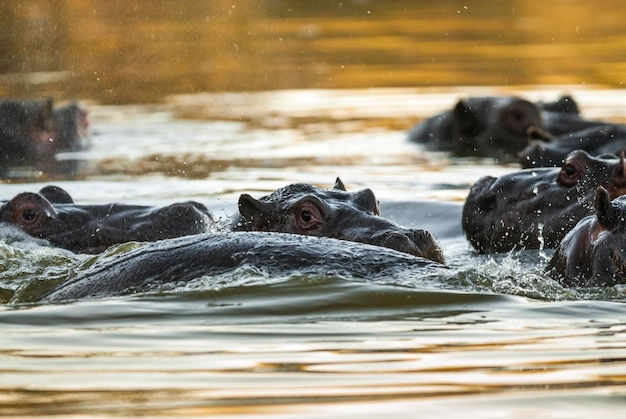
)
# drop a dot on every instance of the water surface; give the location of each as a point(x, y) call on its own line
point(492, 335)
point(207, 100)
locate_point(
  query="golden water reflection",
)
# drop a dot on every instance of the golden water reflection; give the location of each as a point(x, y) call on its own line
point(139, 52)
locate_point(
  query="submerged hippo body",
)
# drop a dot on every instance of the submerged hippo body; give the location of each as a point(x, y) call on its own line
point(546, 150)
point(535, 208)
point(496, 126)
point(593, 253)
point(52, 215)
point(354, 216)
point(275, 254)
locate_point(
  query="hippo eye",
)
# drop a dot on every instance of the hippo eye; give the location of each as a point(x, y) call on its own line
point(569, 175)
point(29, 214)
point(308, 217)
point(569, 170)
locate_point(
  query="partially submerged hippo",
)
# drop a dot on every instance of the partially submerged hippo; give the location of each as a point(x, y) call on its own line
point(52, 215)
point(480, 126)
point(305, 209)
point(27, 132)
point(182, 260)
point(547, 150)
point(32, 132)
point(495, 126)
point(535, 208)
point(593, 253)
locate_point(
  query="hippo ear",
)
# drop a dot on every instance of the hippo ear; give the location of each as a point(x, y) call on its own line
point(56, 195)
point(535, 133)
point(254, 211)
point(366, 200)
point(604, 210)
point(465, 117)
point(339, 185)
point(565, 104)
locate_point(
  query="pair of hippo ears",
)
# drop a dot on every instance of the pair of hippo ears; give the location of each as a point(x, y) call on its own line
point(251, 208)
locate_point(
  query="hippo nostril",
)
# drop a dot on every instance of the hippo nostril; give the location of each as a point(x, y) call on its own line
point(421, 236)
point(418, 243)
point(428, 246)
point(400, 242)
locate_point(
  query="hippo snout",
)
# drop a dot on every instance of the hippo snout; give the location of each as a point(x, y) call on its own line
point(415, 242)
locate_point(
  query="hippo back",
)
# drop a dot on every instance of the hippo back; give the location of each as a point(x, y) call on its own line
point(185, 259)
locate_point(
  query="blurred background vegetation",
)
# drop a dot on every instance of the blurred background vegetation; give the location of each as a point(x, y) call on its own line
point(135, 51)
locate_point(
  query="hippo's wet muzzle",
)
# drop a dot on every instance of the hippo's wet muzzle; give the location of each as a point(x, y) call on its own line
point(415, 242)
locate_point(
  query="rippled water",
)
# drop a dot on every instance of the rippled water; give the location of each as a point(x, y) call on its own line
point(490, 337)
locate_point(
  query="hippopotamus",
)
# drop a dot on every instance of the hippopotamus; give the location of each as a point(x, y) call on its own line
point(535, 208)
point(593, 253)
point(547, 150)
point(305, 209)
point(496, 126)
point(52, 215)
point(32, 132)
point(181, 260)
point(27, 132)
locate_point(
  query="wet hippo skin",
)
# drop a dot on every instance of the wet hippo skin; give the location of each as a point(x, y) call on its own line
point(273, 254)
point(496, 126)
point(52, 215)
point(547, 150)
point(593, 253)
point(354, 216)
point(535, 208)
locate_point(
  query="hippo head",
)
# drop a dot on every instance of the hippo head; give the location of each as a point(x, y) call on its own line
point(52, 215)
point(593, 253)
point(492, 125)
point(354, 216)
point(535, 208)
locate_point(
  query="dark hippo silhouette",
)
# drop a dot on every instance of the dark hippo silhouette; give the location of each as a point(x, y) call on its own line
point(535, 208)
point(52, 215)
point(72, 126)
point(27, 133)
point(496, 126)
point(593, 253)
point(547, 150)
point(32, 132)
point(354, 216)
point(184, 259)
